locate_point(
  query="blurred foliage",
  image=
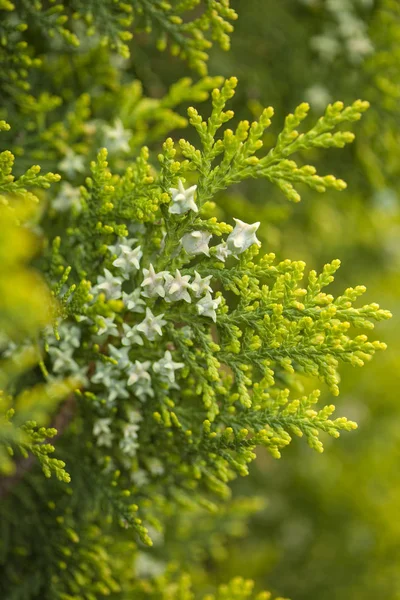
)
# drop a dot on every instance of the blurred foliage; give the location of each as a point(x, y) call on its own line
point(24, 298)
point(26, 306)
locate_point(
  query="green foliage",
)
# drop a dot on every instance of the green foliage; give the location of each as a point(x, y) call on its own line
point(25, 308)
point(382, 70)
point(188, 27)
point(272, 330)
point(319, 537)
point(20, 435)
point(68, 141)
point(177, 345)
point(35, 445)
point(188, 39)
point(169, 587)
point(237, 589)
point(239, 161)
point(10, 186)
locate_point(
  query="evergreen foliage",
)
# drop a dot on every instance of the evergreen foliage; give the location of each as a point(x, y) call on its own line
point(318, 537)
point(167, 348)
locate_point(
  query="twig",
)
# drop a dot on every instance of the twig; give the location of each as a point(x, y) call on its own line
point(23, 466)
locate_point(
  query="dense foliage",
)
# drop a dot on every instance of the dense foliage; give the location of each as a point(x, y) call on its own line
point(159, 346)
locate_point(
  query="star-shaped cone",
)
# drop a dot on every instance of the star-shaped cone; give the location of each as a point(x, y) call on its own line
point(109, 284)
point(200, 285)
point(222, 251)
point(182, 199)
point(139, 372)
point(151, 326)
point(166, 367)
point(121, 355)
point(117, 138)
point(133, 301)
point(197, 242)
point(207, 306)
point(177, 287)
point(153, 283)
point(242, 237)
point(129, 260)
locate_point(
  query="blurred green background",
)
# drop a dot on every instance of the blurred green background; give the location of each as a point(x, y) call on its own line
point(331, 527)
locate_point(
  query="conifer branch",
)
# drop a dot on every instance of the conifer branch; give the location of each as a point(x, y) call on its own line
point(22, 466)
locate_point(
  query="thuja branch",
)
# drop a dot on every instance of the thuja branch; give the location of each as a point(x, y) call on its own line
point(22, 466)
